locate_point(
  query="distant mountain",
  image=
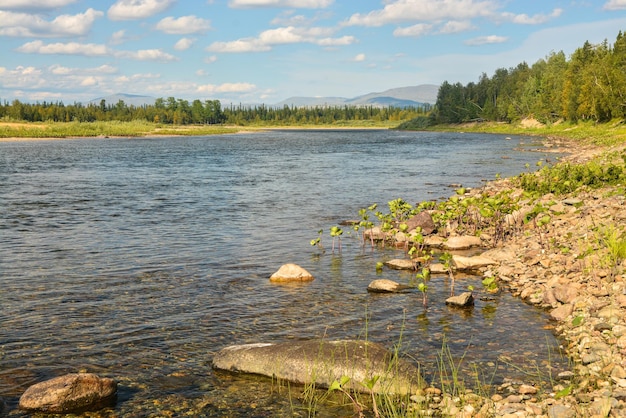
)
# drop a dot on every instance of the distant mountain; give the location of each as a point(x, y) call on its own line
point(129, 99)
point(399, 97)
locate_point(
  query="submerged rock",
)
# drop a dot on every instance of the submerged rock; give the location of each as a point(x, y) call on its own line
point(386, 286)
point(291, 273)
point(322, 362)
point(76, 392)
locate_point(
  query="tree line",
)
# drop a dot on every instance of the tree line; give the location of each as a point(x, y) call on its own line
point(181, 112)
point(590, 85)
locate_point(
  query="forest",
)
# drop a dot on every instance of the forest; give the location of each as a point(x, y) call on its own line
point(589, 86)
point(181, 112)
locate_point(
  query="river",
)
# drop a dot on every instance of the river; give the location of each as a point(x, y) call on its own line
point(138, 259)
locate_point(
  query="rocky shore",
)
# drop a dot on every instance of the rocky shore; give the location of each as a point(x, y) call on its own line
point(566, 268)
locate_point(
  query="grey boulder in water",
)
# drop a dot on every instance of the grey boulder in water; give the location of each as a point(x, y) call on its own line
point(322, 362)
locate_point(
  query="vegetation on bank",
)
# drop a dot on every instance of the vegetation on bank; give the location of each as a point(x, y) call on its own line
point(589, 86)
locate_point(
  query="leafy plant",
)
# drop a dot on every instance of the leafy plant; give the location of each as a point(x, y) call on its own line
point(336, 233)
point(448, 265)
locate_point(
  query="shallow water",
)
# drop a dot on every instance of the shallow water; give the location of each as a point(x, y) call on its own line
point(139, 258)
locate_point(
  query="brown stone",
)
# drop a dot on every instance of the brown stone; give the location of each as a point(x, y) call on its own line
point(422, 220)
point(562, 312)
point(75, 392)
point(463, 300)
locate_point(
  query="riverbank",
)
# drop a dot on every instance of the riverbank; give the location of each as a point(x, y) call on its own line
point(573, 266)
point(23, 131)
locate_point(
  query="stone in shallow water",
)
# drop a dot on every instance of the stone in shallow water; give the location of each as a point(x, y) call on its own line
point(463, 300)
point(291, 273)
point(400, 264)
point(76, 392)
point(322, 362)
point(386, 286)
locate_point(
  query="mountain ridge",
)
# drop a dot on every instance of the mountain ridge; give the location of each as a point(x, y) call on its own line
point(398, 97)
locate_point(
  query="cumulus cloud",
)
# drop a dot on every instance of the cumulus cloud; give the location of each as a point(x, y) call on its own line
point(35, 4)
point(483, 40)
point(399, 11)
point(69, 48)
point(137, 9)
point(281, 36)
point(424, 10)
point(524, 19)
point(296, 4)
point(28, 25)
point(226, 88)
point(419, 29)
point(454, 26)
point(183, 44)
point(359, 58)
point(91, 50)
point(615, 5)
point(183, 25)
point(147, 55)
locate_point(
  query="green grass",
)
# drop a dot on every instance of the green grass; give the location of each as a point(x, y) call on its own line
point(104, 129)
point(606, 134)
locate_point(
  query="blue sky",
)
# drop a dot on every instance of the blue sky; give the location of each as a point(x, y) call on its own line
point(264, 51)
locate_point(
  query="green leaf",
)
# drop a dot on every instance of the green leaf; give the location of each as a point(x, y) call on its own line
point(577, 321)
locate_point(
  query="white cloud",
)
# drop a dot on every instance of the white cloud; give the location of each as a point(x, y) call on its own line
point(281, 36)
point(359, 58)
point(296, 4)
point(419, 29)
point(28, 25)
point(183, 25)
point(57, 69)
point(183, 44)
point(70, 48)
point(483, 40)
point(118, 37)
point(92, 50)
point(147, 55)
point(615, 5)
point(34, 4)
point(455, 26)
point(137, 9)
point(424, 10)
point(344, 40)
point(89, 81)
point(226, 88)
point(240, 45)
point(524, 19)
point(211, 59)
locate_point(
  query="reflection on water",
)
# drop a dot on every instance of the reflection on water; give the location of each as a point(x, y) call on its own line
point(139, 259)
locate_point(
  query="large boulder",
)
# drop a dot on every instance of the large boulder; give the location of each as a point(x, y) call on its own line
point(291, 273)
point(76, 392)
point(321, 362)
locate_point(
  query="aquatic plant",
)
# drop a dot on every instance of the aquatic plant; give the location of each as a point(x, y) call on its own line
point(448, 265)
point(336, 233)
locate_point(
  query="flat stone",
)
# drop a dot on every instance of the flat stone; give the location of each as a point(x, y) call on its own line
point(471, 263)
point(400, 264)
point(462, 242)
point(562, 312)
point(291, 273)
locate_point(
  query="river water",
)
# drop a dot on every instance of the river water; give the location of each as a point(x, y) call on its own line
point(138, 259)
